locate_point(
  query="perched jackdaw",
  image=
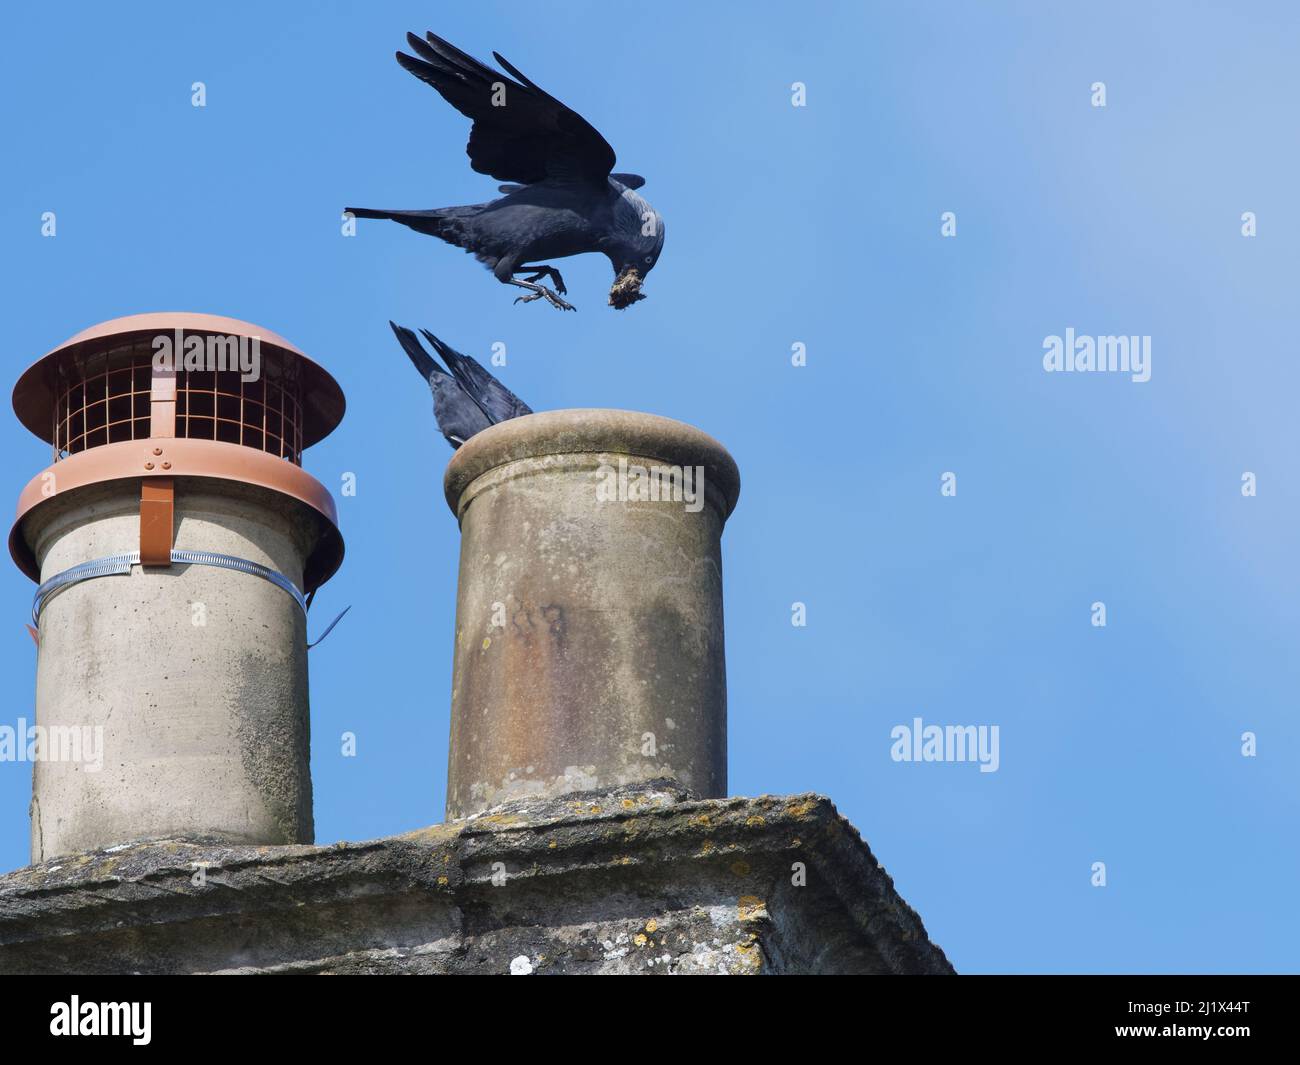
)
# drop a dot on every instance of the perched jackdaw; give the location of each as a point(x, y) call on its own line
point(468, 399)
point(562, 198)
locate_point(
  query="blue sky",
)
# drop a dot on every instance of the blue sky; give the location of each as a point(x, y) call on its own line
point(818, 225)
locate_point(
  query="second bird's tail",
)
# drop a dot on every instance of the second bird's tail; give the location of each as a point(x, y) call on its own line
point(446, 223)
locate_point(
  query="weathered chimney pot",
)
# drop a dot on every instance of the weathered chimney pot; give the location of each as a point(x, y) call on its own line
point(589, 635)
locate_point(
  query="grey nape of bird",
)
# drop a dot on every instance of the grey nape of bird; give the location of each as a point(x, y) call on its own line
point(468, 399)
point(562, 197)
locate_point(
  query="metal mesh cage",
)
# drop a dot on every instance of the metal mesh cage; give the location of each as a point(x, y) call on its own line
point(104, 398)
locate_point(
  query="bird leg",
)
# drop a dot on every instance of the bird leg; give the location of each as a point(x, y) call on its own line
point(539, 292)
point(544, 271)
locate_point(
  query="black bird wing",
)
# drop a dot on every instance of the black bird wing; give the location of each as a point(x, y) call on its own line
point(497, 401)
point(458, 413)
point(532, 138)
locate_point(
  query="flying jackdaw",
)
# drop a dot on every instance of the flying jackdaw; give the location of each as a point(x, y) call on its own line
point(468, 399)
point(562, 198)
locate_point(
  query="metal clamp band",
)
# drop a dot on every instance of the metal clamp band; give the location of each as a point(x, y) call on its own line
point(119, 564)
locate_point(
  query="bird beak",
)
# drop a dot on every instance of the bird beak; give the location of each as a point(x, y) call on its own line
point(626, 289)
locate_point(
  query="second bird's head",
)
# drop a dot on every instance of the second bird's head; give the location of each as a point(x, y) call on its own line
point(642, 232)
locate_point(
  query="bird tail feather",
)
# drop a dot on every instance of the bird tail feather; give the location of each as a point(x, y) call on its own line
point(443, 222)
point(423, 361)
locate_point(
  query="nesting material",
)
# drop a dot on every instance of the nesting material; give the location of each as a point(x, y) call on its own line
point(626, 289)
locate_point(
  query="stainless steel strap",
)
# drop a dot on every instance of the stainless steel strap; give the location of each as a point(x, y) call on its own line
point(116, 565)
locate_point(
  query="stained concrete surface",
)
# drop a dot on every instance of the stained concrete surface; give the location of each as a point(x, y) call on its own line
point(193, 678)
point(589, 633)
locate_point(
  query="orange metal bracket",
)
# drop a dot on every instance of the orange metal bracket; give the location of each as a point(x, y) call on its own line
point(158, 494)
point(157, 500)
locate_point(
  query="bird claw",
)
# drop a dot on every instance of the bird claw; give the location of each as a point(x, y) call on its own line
point(555, 276)
point(551, 298)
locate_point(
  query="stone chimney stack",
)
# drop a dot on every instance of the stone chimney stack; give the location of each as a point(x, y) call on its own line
point(588, 714)
point(589, 635)
point(174, 538)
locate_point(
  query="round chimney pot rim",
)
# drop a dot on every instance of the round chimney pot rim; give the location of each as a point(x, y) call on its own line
point(588, 430)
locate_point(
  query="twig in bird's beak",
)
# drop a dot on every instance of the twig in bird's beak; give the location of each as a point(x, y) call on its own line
point(626, 289)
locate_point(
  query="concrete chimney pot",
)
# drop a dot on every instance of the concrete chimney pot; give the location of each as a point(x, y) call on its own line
point(184, 673)
point(589, 630)
point(205, 729)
